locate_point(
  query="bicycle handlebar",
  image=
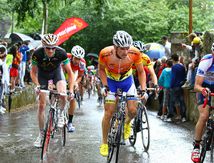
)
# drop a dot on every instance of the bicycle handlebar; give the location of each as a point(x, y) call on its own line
point(55, 92)
point(206, 99)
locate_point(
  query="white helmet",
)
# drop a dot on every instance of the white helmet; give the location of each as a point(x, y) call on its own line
point(139, 45)
point(122, 39)
point(3, 50)
point(50, 40)
point(212, 48)
point(78, 52)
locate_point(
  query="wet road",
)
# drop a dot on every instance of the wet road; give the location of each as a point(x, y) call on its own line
point(170, 142)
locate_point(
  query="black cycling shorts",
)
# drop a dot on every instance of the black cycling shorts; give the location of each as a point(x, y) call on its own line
point(55, 75)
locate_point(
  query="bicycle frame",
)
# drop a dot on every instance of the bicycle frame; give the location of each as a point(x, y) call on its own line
point(116, 132)
point(52, 120)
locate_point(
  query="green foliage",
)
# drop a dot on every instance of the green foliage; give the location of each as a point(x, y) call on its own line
point(145, 20)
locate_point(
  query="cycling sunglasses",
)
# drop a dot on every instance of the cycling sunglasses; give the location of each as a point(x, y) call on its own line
point(50, 48)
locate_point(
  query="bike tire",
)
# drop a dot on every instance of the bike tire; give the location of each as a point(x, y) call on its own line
point(145, 129)
point(117, 140)
point(78, 99)
point(133, 136)
point(89, 92)
point(212, 149)
point(203, 150)
point(63, 135)
point(111, 139)
point(47, 135)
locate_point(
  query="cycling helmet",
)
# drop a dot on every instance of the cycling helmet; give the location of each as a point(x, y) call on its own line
point(78, 52)
point(50, 40)
point(3, 50)
point(212, 48)
point(139, 45)
point(122, 39)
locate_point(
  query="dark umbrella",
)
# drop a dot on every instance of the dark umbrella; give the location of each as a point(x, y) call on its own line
point(18, 37)
point(92, 55)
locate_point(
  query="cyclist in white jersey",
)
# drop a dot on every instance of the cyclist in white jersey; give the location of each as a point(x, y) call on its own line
point(204, 84)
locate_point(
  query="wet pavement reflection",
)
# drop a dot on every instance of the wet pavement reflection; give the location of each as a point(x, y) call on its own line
point(170, 142)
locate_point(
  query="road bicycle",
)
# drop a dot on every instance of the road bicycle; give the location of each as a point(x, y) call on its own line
point(141, 124)
point(116, 132)
point(208, 138)
point(52, 121)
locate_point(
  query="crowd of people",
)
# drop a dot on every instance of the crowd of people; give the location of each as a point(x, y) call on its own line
point(123, 65)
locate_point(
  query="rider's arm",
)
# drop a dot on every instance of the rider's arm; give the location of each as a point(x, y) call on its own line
point(79, 77)
point(102, 74)
point(198, 83)
point(70, 73)
point(33, 74)
point(153, 75)
point(141, 76)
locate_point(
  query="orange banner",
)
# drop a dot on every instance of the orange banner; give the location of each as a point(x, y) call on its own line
point(69, 27)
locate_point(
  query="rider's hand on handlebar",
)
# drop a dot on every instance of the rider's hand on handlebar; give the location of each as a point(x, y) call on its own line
point(205, 92)
point(144, 96)
point(70, 96)
point(104, 90)
point(37, 89)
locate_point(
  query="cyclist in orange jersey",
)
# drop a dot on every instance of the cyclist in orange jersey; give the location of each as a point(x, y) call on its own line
point(115, 70)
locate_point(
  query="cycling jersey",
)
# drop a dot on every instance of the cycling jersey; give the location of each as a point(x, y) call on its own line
point(206, 70)
point(119, 70)
point(49, 64)
point(80, 67)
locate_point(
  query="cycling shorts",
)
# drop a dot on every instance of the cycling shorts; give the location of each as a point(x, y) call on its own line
point(56, 75)
point(126, 85)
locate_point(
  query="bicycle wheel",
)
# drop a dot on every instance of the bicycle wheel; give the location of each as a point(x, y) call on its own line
point(207, 145)
point(63, 135)
point(117, 139)
point(211, 149)
point(145, 130)
point(133, 136)
point(89, 91)
point(203, 150)
point(47, 134)
point(111, 138)
point(78, 99)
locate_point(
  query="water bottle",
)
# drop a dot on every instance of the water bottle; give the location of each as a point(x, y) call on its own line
point(50, 85)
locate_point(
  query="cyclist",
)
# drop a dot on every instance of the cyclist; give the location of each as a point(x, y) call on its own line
point(78, 64)
point(46, 66)
point(146, 63)
point(115, 70)
point(204, 84)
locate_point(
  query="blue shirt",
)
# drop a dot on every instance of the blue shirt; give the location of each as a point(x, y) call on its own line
point(178, 75)
point(23, 49)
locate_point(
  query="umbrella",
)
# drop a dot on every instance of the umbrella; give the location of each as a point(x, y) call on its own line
point(17, 37)
point(92, 55)
point(34, 44)
point(155, 50)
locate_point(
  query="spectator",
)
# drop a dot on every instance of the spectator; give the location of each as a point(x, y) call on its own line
point(15, 66)
point(165, 83)
point(167, 46)
point(176, 92)
point(23, 50)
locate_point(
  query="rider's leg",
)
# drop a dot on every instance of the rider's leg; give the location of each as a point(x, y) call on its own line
point(41, 111)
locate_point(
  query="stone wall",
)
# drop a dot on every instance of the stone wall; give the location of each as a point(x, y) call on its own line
point(22, 98)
